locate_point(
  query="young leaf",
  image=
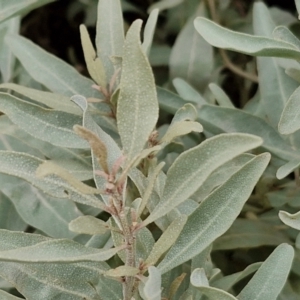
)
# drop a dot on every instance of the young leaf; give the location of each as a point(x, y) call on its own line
point(48, 125)
point(122, 271)
point(221, 97)
point(270, 278)
point(93, 63)
point(151, 290)
point(149, 31)
point(215, 214)
point(287, 168)
point(198, 278)
point(49, 70)
point(221, 37)
point(110, 34)
point(292, 220)
point(194, 166)
point(88, 225)
point(137, 109)
point(188, 112)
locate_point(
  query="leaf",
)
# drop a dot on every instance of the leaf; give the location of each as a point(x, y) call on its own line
point(221, 97)
point(7, 296)
point(122, 271)
point(110, 34)
point(248, 234)
point(194, 166)
point(284, 34)
point(15, 7)
point(52, 100)
point(49, 70)
point(198, 278)
point(151, 290)
point(292, 220)
point(287, 168)
point(189, 62)
point(297, 2)
point(166, 240)
point(215, 214)
point(48, 125)
point(270, 278)
point(290, 118)
point(187, 112)
point(137, 109)
point(93, 63)
point(24, 166)
point(149, 31)
point(164, 4)
point(88, 225)
point(221, 37)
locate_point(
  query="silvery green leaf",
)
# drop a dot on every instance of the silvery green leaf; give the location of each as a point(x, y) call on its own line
point(297, 2)
point(137, 109)
point(151, 290)
point(287, 168)
point(48, 214)
point(110, 34)
point(55, 127)
point(249, 234)
point(198, 278)
point(221, 97)
point(194, 166)
point(215, 214)
point(221, 37)
point(56, 101)
point(284, 34)
point(187, 92)
point(122, 271)
point(14, 222)
point(187, 62)
point(292, 220)
point(225, 283)
point(24, 166)
point(166, 240)
point(275, 86)
point(270, 278)
point(88, 225)
point(149, 31)
point(187, 112)
point(164, 4)
point(290, 118)
point(6, 296)
point(49, 70)
point(7, 59)
point(11, 8)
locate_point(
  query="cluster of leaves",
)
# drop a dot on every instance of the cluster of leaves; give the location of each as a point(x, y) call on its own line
point(101, 201)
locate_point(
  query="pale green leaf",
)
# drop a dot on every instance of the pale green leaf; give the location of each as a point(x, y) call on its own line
point(290, 118)
point(297, 2)
point(56, 101)
point(164, 4)
point(221, 37)
point(93, 63)
point(292, 220)
point(198, 278)
point(11, 8)
point(152, 287)
point(192, 57)
point(215, 214)
point(24, 166)
point(55, 127)
point(137, 109)
point(284, 34)
point(270, 278)
point(149, 31)
point(122, 271)
point(187, 112)
point(221, 97)
point(88, 225)
point(194, 166)
point(213, 293)
point(166, 240)
point(49, 70)
point(110, 34)
point(287, 168)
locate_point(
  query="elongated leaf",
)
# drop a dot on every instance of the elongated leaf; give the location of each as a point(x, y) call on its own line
point(194, 166)
point(287, 168)
point(215, 214)
point(269, 280)
point(292, 220)
point(137, 109)
point(290, 118)
point(284, 34)
point(52, 100)
point(14, 7)
point(55, 127)
point(110, 34)
point(49, 70)
point(88, 225)
point(221, 37)
point(297, 2)
point(152, 288)
point(166, 240)
point(220, 95)
point(24, 166)
point(149, 31)
point(194, 63)
point(122, 271)
point(164, 4)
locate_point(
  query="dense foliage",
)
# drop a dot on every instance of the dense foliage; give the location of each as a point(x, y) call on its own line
point(168, 168)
